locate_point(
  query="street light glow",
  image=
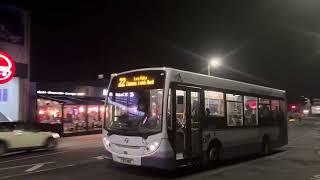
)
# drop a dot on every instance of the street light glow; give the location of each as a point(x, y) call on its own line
point(215, 62)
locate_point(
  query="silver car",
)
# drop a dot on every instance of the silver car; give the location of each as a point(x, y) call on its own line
point(25, 136)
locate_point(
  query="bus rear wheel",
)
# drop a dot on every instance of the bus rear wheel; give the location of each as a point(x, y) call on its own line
point(265, 148)
point(214, 154)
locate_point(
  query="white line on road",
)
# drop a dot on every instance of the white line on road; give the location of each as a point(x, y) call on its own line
point(35, 167)
point(66, 145)
point(99, 157)
point(49, 154)
point(30, 157)
point(27, 165)
point(23, 174)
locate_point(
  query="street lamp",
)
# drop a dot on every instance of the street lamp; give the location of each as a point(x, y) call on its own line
point(213, 62)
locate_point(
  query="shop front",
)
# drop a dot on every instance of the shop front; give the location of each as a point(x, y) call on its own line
point(69, 109)
point(71, 115)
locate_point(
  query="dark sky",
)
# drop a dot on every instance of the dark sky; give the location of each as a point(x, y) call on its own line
point(268, 42)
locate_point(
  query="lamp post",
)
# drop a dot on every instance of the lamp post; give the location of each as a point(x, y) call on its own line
point(213, 62)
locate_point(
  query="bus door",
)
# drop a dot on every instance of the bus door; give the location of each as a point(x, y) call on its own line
point(186, 121)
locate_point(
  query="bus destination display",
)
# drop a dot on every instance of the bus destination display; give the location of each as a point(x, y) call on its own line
point(141, 80)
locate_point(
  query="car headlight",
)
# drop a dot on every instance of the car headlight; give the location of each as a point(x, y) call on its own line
point(106, 142)
point(152, 147)
point(55, 135)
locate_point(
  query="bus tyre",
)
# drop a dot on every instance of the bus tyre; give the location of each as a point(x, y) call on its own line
point(51, 144)
point(265, 147)
point(212, 156)
point(3, 148)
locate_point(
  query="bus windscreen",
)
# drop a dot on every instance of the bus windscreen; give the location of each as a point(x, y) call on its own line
point(135, 103)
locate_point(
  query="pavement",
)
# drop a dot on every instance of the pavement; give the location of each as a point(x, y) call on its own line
point(81, 158)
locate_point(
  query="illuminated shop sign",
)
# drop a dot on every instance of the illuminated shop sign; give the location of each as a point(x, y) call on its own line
point(135, 81)
point(7, 68)
point(60, 93)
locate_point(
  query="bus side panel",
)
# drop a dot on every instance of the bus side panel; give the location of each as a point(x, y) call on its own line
point(241, 141)
point(283, 136)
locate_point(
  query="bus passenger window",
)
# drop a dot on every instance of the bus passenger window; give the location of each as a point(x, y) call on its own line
point(214, 110)
point(265, 112)
point(214, 103)
point(275, 111)
point(250, 111)
point(234, 110)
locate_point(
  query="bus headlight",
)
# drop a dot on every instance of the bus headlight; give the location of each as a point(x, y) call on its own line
point(152, 147)
point(106, 142)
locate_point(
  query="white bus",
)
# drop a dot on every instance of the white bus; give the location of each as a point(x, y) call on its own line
point(165, 118)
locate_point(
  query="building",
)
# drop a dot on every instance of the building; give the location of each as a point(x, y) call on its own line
point(15, 41)
point(72, 108)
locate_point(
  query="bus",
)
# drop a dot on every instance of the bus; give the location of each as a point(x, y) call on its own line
point(165, 118)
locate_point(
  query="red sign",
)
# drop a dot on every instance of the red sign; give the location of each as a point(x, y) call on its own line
point(7, 68)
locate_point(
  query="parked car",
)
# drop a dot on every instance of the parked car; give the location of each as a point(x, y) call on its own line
point(25, 136)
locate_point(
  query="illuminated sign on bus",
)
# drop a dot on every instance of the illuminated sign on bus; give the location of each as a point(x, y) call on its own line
point(135, 81)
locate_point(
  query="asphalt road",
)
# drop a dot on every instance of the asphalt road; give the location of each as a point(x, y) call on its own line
point(80, 158)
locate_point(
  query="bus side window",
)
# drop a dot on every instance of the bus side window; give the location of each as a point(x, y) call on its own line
point(275, 111)
point(250, 111)
point(264, 112)
point(234, 110)
point(214, 109)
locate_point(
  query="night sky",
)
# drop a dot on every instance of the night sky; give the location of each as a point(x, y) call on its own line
point(269, 42)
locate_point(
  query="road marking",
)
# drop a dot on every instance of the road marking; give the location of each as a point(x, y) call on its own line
point(27, 165)
point(35, 167)
point(315, 177)
point(99, 157)
point(77, 144)
point(49, 154)
point(30, 157)
point(23, 174)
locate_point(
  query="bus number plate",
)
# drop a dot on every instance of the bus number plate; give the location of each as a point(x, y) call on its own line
point(125, 160)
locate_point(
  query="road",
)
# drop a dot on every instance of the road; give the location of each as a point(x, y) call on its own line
point(80, 158)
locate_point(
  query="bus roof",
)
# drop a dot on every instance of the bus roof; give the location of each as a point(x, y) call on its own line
point(212, 81)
